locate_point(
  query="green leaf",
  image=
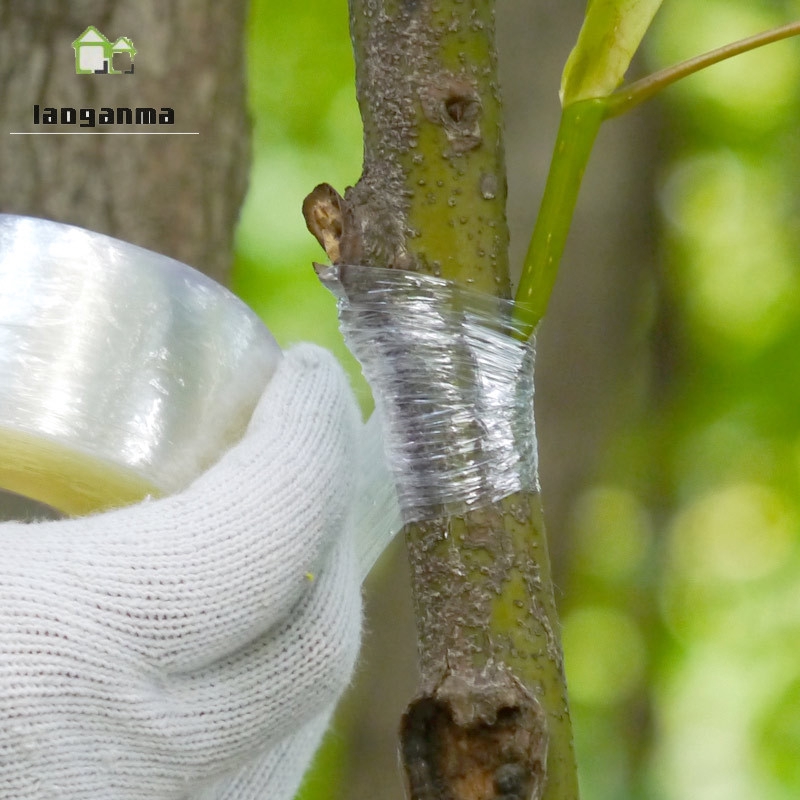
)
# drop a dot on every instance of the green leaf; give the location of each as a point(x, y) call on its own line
point(609, 37)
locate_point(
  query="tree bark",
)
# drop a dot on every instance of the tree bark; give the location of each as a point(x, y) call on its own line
point(178, 195)
point(491, 719)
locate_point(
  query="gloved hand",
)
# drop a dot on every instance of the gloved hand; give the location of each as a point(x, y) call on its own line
point(190, 647)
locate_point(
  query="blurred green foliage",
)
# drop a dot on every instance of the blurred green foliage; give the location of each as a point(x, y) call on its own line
point(691, 534)
point(682, 610)
point(307, 130)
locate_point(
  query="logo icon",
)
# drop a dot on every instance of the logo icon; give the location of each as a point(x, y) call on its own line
point(95, 55)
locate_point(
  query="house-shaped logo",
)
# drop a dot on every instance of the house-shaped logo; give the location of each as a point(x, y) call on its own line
point(94, 54)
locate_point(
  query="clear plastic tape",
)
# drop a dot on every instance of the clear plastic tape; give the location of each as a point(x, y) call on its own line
point(377, 516)
point(452, 377)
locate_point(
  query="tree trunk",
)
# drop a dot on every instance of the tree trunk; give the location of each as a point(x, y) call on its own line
point(176, 194)
point(431, 199)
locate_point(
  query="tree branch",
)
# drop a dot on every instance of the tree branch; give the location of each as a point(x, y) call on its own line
point(491, 719)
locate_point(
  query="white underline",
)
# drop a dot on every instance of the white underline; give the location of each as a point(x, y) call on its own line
point(103, 133)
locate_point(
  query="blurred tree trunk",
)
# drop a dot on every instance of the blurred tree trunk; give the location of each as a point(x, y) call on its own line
point(178, 195)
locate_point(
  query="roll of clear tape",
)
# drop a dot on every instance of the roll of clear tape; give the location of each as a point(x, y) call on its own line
point(123, 372)
point(452, 376)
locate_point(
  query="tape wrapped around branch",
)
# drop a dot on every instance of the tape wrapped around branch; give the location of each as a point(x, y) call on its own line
point(452, 377)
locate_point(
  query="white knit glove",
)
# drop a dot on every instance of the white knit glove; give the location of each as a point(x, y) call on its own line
point(191, 647)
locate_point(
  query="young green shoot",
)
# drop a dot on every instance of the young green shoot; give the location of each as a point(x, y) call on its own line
point(637, 92)
point(589, 96)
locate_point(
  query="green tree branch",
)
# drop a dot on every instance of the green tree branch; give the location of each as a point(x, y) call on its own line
point(431, 198)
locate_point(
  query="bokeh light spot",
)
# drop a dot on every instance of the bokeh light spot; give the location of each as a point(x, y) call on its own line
point(704, 713)
point(779, 737)
point(612, 532)
point(736, 533)
point(736, 270)
point(754, 91)
point(604, 654)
